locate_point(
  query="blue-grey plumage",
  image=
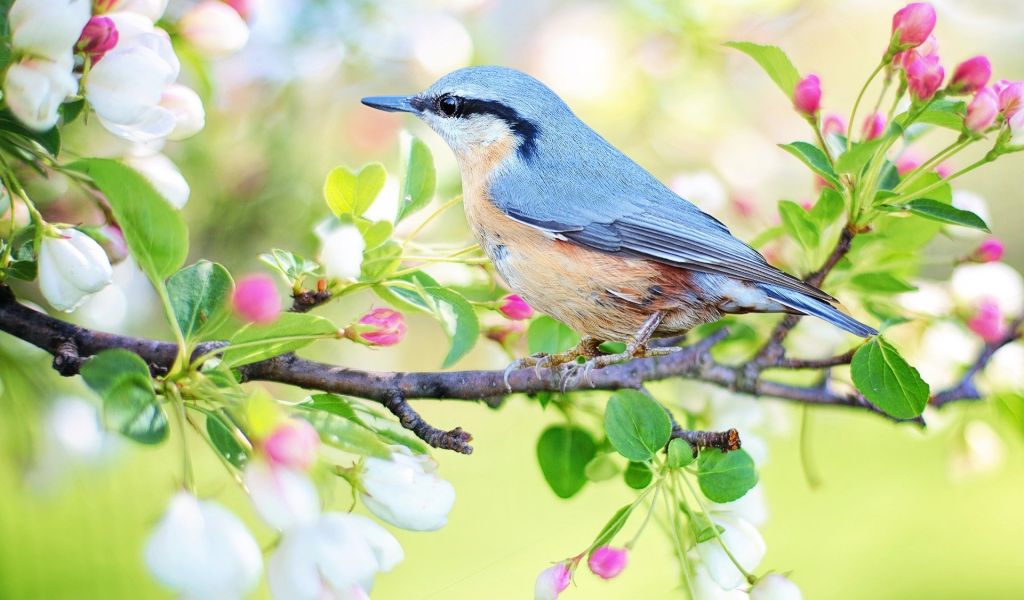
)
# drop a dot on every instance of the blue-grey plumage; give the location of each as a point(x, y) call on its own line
point(545, 192)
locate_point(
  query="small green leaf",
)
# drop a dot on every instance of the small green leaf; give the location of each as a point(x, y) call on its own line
point(122, 380)
point(601, 468)
point(225, 443)
point(725, 476)
point(346, 435)
point(350, 193)
point(814, 158)
point(420, 179)
point(772, 233)
point(384, 428)
point(798, 224)
point(549, 336)
point(702, 526)
point(292, 266)
point(563, 452)
point(637, 475)
point(943, 113)
point(199, 295)
point(854, 159)
point(774, 62)
point(637, 426)
point(459, 321)
point(888, 381)
point(882, 283)
point(374, 233)
point(613, 526)
point(289, 333)
point(828, 208)
point(48, 140)
point(680, 453)
point(945, 213)
point(380, 262)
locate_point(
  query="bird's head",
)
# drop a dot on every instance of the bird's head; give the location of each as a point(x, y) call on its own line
point(485, 111)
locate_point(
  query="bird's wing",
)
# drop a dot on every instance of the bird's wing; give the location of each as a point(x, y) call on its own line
point(643, 218)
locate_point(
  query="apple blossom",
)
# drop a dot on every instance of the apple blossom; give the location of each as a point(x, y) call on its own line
point(514, 307)
point(283, 497)
point(873, 126)
point(71, 266)
point(906, 163)
point(607, 562)
point(341, 251)
point(982, 110)
point(187, 108)
point(988, 321)
point(214, 28)
point(775, 587)
point(551, 582)
point(744, 542)
point(293, 444)
point(45, 28)
point(915, 23)
point(807, 95)
point(924, 77)
point(34, 89)
point(705, 588)
point(379, 327)
point(163, 175)
point(971, 75)
point(990, 250)
point(256, 300)
point(1011, 97)
point(406, 491)
point(1016, 125)
point(202, 551)
point(997, 281)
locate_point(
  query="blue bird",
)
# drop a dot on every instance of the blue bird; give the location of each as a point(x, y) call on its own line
point(585, 234)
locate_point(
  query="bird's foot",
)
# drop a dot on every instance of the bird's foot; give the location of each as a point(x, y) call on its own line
point(587, 348)
point(576, 373)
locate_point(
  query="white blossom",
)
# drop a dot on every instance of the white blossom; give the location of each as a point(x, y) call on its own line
point(705, 588)
point(163, 175)
point(36, 87)
point(406, 491)
point(71, 267)
point(972, 283)
point(151, 9)
point(48, 28)
point(284, 497)
point(214, 28)
point(744, 542)
point(775, 587)
point(341, 250)
point(187, 108)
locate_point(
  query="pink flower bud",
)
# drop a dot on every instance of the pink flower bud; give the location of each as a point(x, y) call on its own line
point(807, 95)
point(1011, 97)
point(607, 562)
point(99, 36)
point(924, 77)
point(515, 308)
point(256, 299)
point(551, 582)
point(380, 327)
point(990, 250)
point(971, 75)
point(906, 163)
point(915, 23)
point(944, 169)
point(293, 444)
point(242, 7)
point(873, 126)
point(983, 110)
point(111, 239)
point(833, 125)
point(988, 322)
point(902, 60)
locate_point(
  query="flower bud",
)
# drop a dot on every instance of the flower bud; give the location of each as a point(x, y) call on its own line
point(98, 37)
point(514, 307)
point(34, 89)
point(187, 107)
point(924, 77)
point(982, 110)
point(990, 250)
point(256, 299)
point(71, 266)
point(906, 163)
point(379, 327)
point(1011, 98)
point(971, 75)
point(807, 95)
point(745, 544)
point(607, 562)
point(293, 444)
point(873, 126)
point(111, 239)
point(833, 125)
point(406, 491)
point(915, 23)
point(988, 321)
point(775, 587)
point(551, 582)
point(214, 28)
point(341, 251)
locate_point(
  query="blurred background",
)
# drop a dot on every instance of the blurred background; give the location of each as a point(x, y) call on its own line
point(898, 512)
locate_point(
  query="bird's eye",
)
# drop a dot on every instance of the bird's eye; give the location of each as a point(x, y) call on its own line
point(449, 106)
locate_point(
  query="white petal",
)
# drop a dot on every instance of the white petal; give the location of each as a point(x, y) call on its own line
point(744, 542)
point(342, 252)
point(35, 88)
point(48, 28)
point(214, 28)
point(127, 85)
point(972, 283)
point(344, 555)
point(292, 571)
point(93, 272)
point(164, 175)
point(385, 547)
point(70, 268)
point(150, 9)
point(187, 108)
point(775, 587)
point(405, 491)
point(283, 497)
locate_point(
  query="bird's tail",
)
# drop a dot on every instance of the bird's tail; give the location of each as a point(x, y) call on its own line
point(818, 308)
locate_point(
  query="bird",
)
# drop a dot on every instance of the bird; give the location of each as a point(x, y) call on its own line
point(586, 235)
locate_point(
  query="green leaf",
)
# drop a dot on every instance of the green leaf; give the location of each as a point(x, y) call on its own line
point(374, 233)
point(549, 336)
point(292, 266)
point(199, 295)
point(725, 476)
point(130, 406)
point(350, 193)
point(854, 159)
point(828, 208)
point(637, 426)
point(945, 213)
point(459, 321)
point(48, 140)
point(943, 113)
point(289, 333)
point(345, 434)
point(385, 428)
point(225, 443)
point(798, 224)
point(420, 180)
point(680, 453)
point(772, 233)
point(380, 262)
point(613, 526)
point(814, 158)
point(774, 62)
point(154, 230)
point(883, 283)
point(702, 526)
point(563, 452)
point(888, 381)
point(637, 475)
point(601, 468)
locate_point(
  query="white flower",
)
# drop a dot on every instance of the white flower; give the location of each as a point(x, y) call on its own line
point(930, 299)
point(214, 28)
point(1004, 372)
point(406, 492)
point(187, 108)
point(341, 252)
point(48, 28)
point(164, 176)
point(36, 87)
point(202, 551)
point(751, 507)
point(705, 588)
point(151, 9)
point(71, 267)
point(944, 349)
point(335, 556)
point(775, 587)
point(971, 283)
point(285, 498)
point(744, 542)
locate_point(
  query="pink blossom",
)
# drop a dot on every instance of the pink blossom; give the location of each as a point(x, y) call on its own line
point(833, 125)
point(1011, 97)
point(607, 562)
point(873, 126)
point(551, 582)
point(807, 95)
point(514, 307)
point(924, 77)
point(982, 110)
point(293, 444)
point(915, 23)
point(98, 37)
point(971, 75)
point(380, 327)
point(988, 321)
point(906, 163)
point(930, 47)
point(989, 250)
point(256, 299)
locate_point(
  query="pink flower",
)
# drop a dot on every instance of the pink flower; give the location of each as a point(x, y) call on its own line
point(915, 23)
point(982, 110)
point(807, 95)
point(833, 125)
point(293, 444)
point(971, 75)
point(607, 562)
point(98, 37)
point(902, 60)
point(990, 250)
point(873, 126)
point(988, 322)
point(380, 327)
point(924, 77)
point(1011, 97)
point(515, 308)
point(906, 163)
point(256, 299)
point(551, 582)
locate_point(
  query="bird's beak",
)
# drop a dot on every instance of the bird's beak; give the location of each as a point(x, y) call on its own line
point(391, 103)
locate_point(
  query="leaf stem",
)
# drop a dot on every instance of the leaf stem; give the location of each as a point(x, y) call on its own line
point(860, 96)
point(714, 528)
point(419, 228)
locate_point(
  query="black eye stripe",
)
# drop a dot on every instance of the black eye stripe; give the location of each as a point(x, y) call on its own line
point(524, 128)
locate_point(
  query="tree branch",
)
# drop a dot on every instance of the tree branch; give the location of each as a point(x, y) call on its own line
point(965, 388)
